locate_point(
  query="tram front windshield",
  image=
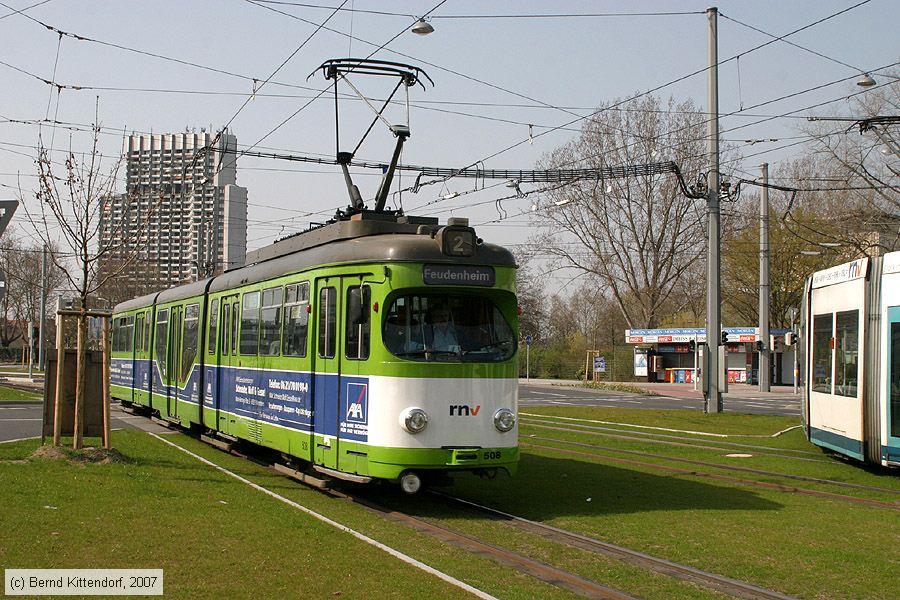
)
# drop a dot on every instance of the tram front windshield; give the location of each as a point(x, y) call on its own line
point(447, 328)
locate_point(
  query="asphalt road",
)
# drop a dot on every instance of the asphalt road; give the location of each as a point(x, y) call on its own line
point(18, 421)
point(544, 395)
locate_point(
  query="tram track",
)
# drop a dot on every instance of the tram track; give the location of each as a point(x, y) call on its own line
point(895, 505)
point(524, 564)
point(711, 581)
point(550, 574)
point(547, 573)
point(736, 468)
point(675, 440)
point(542, 571)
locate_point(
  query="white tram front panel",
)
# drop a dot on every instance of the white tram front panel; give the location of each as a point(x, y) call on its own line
point(889, 359)
point(836, 329)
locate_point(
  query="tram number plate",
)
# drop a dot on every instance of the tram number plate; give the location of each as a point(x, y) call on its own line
point(491, 455)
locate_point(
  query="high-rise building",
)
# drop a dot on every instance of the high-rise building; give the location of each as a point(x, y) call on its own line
point(182, 211)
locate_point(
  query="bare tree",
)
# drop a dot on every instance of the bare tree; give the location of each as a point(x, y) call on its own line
point(72, 210)
point(638, 236)
point(21, 263)
point(862, 155)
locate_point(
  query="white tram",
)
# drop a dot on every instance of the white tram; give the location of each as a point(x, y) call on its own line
point(851, 359)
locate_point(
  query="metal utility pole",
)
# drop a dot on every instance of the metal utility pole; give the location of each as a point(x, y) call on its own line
point(43, 308)
point(712, 394)
point(765, 353)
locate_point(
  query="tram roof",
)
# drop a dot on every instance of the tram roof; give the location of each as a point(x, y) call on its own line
point(371, 238)
point(349, 242)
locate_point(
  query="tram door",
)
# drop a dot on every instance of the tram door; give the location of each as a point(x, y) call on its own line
point(228, 360)
point(326, 371)
point(893, 376)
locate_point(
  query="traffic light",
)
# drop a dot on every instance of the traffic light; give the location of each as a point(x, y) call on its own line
point(790, 338)
point(759, 346)
point(724, 337)
point(692, 345)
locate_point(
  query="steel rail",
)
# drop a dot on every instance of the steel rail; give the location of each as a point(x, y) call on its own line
point(857, 486)
point(661, 438)
point(713, 581)
point(529, 566)
point(737, 480)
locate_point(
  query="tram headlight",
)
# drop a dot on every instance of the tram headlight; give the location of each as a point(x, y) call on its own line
point(414, 420)
point(504, 420)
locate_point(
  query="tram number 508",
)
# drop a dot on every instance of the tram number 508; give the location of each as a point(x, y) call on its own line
point(492, 455)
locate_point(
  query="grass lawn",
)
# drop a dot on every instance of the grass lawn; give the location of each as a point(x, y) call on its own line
point(216, 537)
point(8, 394)
point(213, 535)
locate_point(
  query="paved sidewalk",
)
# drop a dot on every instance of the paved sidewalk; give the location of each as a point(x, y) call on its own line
point(681, 390)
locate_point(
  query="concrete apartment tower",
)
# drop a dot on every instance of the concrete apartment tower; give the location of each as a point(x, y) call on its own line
point(182, 192)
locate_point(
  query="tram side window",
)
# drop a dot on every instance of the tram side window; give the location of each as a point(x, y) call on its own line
point(139, 333)
point(846, 349)
point(250, 323)
point(358, 322)
point(894, 373)
point(129, 334)
point(821, 353)
point(226, 328)
point(190, 338)
point(213, 326)
point(117, 333)
point(327, 322)
point(270, 334)
point(162, 330)
point(296, 319)
point(146, 346)
point(235, 310)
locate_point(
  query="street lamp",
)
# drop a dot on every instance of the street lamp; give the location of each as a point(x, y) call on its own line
point(865, 81)
point(423, 27)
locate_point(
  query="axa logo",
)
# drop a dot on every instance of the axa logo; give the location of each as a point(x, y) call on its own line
point(357, 405)
point(464, 410)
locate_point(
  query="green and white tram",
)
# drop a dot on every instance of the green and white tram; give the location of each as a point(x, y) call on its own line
point(376, 347)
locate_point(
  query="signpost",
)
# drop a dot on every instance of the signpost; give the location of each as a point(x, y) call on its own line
point(599, 364)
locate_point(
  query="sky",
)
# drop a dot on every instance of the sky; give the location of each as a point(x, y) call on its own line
point(497, 68)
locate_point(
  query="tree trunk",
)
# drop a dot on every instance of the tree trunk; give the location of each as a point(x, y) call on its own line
point(79, 381)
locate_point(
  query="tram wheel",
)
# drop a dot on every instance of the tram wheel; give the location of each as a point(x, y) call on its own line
point(410, 482)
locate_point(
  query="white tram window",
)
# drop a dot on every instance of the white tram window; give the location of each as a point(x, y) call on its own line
point(190, 338)
point(358, 322)
point(250, 323)
point(327, 321)
point(846, 349)
point(821, 353)
point(162, 330)
point(447, 328)
point(296, 319)
point(213, 326)
point(270, 322)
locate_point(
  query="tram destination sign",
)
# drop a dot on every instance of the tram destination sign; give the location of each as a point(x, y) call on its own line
point(458, 275)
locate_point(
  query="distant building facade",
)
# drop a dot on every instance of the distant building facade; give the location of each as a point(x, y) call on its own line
point(182, 211)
